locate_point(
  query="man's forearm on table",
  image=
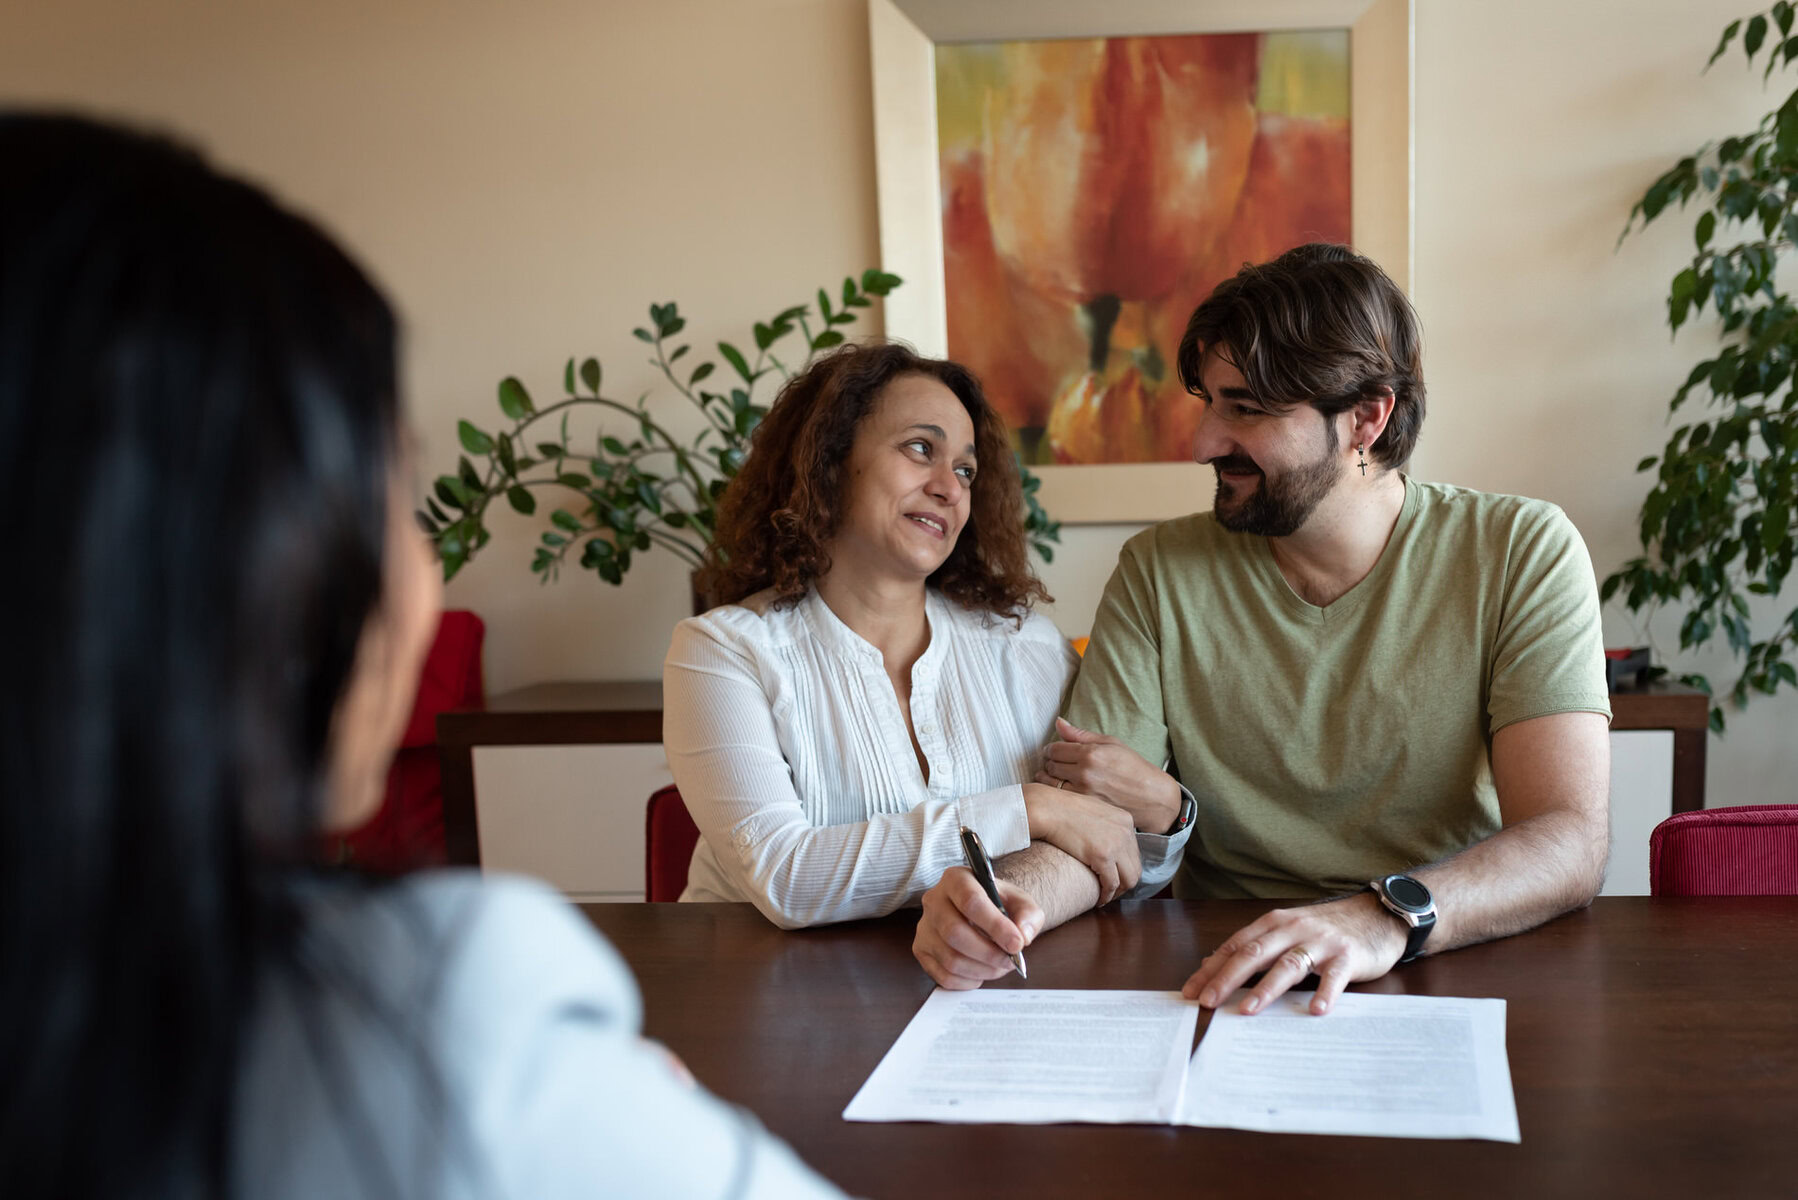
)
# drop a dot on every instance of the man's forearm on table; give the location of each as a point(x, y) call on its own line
point(1061, 884)
point(1518, 878)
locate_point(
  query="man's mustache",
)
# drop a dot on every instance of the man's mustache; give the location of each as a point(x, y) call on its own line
point(1232, 462)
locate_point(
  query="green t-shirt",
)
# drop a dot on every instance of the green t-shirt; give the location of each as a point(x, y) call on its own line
point(1329, 746)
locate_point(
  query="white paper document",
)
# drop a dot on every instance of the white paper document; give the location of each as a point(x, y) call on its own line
point(1035, 1058)
point(1375, 1066)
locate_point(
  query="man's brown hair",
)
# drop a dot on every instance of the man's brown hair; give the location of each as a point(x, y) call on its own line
point(788, 499)
point(1319, 325)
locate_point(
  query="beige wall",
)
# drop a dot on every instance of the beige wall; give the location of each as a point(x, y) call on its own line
point(527, 178)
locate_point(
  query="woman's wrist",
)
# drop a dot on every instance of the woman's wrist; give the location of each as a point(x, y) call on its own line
point(1040, 810)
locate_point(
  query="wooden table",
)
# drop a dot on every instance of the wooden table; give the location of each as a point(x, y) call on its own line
point(581, 714)
point(1653, 1047)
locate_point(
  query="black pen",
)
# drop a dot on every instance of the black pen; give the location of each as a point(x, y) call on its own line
point(982, 866)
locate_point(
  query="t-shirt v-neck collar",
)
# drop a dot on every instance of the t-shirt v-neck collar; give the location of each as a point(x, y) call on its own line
point(1274, 580)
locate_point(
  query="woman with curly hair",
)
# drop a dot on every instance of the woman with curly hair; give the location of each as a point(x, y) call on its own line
point(874, 677)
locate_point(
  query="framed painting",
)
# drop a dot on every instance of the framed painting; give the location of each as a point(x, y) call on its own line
point(1060, 186)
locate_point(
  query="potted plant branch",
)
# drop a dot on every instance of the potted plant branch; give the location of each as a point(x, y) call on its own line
point(1717, 526)
point(633, 485)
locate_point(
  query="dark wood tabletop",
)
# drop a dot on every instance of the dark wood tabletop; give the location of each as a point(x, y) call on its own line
point(1653, 1047)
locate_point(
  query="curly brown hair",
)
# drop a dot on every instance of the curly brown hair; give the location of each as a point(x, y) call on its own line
point(788, 498)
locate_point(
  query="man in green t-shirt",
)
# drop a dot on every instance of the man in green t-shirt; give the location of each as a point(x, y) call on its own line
point(1374, 689)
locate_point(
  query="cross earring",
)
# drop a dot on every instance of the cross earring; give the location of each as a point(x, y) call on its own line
point(1362, 451)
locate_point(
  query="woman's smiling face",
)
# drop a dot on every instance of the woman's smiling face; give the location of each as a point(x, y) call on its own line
point(909, 482)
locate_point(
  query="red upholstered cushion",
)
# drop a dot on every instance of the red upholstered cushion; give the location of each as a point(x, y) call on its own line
point(1746, 851)
point(451, 677)
point(669, 836)
point(407, 832)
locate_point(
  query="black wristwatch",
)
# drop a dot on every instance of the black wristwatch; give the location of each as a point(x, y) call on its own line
point(1189, 808)
point(1410, 902)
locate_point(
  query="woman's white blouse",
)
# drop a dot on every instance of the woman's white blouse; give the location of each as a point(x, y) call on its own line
point(786, 740)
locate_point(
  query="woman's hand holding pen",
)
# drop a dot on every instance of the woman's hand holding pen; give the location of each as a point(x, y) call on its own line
point(963, 940)
point(1098, 834)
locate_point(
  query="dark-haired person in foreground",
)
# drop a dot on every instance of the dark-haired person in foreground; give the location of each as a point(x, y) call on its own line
point(216, 632)
point(1385, 695)
point(874, 677)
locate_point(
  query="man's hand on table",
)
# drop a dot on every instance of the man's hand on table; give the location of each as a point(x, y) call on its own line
point(962, 940)
point(1341, 941)
point(1101, 766)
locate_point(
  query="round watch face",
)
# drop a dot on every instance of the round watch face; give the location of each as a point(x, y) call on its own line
point(1406, 892)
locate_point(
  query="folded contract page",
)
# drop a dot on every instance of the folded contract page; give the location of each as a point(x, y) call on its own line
point(1035, 1057)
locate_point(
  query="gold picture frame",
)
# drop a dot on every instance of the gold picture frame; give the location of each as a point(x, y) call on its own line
point(903, 36)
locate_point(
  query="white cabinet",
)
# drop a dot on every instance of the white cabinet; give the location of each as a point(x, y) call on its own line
point(571, 815)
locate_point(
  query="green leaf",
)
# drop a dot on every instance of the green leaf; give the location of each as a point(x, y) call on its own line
point(764, 336)
point(613, 446)
point(521, 499)
point(514, 401)
point(590, 374)
point(568, 377)
point(1707, 225)
point(472, 439)
point(1757, 33)
point(563, 519)
point(553, 539)
point(1782, 16)
point(879, 283)
point(675, 519)
point(735, 358)
point(702, 371)
point(551, 449)
point(574, 479)
point(507, 460)
point(1647, 463)
point(450, 490)
point(827, 339)
point(643, 335)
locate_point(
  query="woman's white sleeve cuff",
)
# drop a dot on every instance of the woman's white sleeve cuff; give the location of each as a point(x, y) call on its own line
point(999, 817)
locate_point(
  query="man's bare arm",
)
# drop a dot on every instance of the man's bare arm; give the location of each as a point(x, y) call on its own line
point(1553, 781)
point(1552, 775)
point(1059, 883)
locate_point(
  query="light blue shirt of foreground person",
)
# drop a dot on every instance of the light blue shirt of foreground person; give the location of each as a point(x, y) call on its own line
point(524, 1077)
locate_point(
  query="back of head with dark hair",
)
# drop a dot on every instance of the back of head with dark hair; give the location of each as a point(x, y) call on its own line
point(788, 498)
point(197, 424)
point(1319, 325)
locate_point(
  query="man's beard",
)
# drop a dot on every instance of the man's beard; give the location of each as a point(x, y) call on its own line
point(1279, 505)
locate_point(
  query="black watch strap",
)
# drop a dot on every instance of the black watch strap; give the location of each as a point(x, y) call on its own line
point(1416, 936)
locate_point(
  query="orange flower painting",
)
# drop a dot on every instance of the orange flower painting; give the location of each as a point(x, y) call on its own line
point(1094, 191)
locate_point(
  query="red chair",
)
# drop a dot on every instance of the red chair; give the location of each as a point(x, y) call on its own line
point(669, 836)
point(407, 832)
point(1746, 851)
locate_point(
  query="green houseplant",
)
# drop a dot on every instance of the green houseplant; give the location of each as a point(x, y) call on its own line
point(1717, 526)
point(633, 485)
